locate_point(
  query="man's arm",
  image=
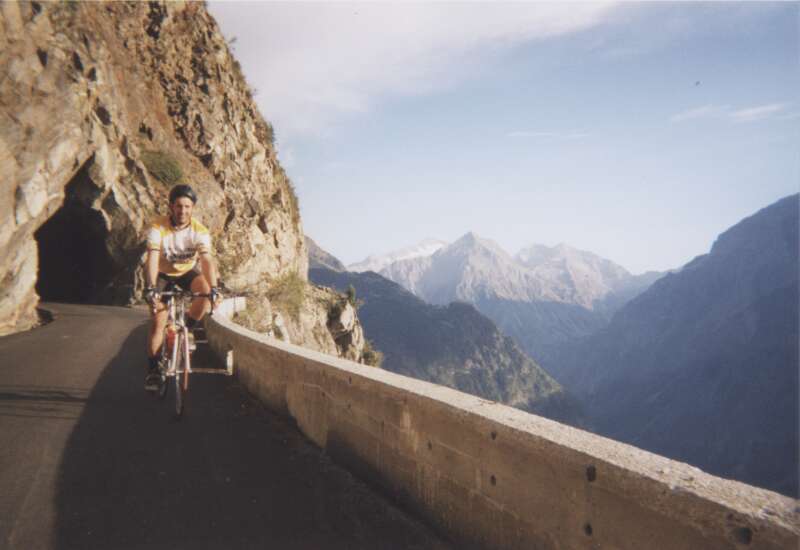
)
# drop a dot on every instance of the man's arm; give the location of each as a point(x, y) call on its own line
point(151, 267)
point(208, 269)
point(151, 273)
point(154, 240)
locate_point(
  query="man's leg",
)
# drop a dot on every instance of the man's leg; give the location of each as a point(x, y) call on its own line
point(156, 336)
point(154, 340)
point(200, 306)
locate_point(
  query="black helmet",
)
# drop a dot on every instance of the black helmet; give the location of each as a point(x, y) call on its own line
point(182, 190)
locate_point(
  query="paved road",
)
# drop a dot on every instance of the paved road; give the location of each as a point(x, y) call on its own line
point(88, 460)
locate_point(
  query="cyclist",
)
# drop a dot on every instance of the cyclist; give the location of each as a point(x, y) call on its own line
point(179, 252)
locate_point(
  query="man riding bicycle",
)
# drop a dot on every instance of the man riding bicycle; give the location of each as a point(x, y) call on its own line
point(178, 253)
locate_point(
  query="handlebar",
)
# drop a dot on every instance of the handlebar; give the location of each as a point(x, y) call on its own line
point(183, 294)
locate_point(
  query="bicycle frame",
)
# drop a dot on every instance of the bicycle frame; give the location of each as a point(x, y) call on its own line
point(175, 359)
point(175, 347)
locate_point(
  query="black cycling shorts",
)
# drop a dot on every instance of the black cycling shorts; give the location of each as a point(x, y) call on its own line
point(164, 282)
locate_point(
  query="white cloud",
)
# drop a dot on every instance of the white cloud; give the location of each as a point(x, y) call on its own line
point(313, 63)
point(548, 135)
point(760, 112)
point(706, 111)
point(749, 114)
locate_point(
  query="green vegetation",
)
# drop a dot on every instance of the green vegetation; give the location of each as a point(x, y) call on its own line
point(253, 317)
point(265, 132)
point(283, 180)
point(237, 68)
point(351, 295)
point(163, 167)
point(294, 204)
point(287, 294)
point(371, 356)
point(335, 307)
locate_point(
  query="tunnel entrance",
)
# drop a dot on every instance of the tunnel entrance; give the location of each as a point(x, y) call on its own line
point(74, 264)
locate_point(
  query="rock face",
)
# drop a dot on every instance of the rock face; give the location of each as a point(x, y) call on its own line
point(452, 345)
point(104, 107)
point(322, 320)
point(703, 366)
point(583, 278)
point(542, 297)
point(409, 273)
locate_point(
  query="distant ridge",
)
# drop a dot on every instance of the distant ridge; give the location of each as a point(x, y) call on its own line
point(317, 257)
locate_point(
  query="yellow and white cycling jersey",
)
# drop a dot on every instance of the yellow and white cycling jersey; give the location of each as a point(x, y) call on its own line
point(179, 247)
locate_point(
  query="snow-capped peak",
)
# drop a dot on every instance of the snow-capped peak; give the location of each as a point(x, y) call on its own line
point(377, 262)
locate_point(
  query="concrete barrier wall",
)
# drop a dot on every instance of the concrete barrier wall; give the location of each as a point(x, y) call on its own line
point(490, 476)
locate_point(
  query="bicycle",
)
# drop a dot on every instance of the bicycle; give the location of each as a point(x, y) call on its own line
point(175, 358)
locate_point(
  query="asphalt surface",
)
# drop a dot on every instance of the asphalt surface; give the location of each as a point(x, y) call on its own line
point(89, 460)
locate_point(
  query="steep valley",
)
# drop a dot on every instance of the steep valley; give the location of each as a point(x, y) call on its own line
point(453, 345)
point(703, 366)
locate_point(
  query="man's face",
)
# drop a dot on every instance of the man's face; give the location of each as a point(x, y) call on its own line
point(181, 210)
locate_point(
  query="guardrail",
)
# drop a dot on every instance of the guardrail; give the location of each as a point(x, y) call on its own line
point(491, 476)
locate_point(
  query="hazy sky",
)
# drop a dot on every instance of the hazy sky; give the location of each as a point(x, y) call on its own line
point(638, 131)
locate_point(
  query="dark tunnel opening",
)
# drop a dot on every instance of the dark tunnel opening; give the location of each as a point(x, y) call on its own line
point(74, 263)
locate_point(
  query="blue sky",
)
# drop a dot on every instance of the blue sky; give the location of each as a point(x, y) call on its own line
point(636, 131)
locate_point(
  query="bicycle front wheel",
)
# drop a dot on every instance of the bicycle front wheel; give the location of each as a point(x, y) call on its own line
point(187, 361)
point(180, 366)
point(166, 360)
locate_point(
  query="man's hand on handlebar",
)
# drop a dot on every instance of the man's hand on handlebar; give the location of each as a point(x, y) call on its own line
point(216, 296)
point(151, 296)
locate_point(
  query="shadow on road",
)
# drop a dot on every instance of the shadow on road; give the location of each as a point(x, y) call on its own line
point(227, 475)
point(38, 402)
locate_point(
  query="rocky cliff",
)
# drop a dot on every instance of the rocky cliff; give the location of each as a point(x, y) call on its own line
point(104, 107)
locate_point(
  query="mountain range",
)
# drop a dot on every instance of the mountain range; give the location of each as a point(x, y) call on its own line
point(542, 297)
